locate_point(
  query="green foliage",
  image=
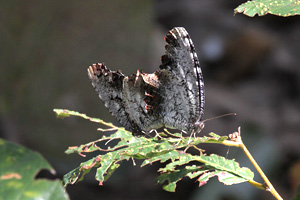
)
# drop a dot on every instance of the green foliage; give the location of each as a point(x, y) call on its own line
point(276, 7)
point(164, 147)
point(18, 168)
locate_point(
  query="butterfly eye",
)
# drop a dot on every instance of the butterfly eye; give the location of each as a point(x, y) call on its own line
point(199, 126)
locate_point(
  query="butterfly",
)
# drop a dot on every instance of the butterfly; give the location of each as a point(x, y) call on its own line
point(171, 97)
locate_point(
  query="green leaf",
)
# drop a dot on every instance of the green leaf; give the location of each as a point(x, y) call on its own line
point(166, 148)
point(18, 168)
point(173, 177)
point(63, 113)
point(276, 7)
point(228, 171)
point(78, 173)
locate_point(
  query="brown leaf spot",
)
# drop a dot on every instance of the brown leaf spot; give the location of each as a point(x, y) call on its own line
point(11, 176)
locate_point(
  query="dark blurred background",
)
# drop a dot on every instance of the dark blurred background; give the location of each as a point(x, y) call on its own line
point(251, 66)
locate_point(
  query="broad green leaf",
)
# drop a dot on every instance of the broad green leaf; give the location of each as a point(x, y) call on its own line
point(276, 7)
point(18, 168)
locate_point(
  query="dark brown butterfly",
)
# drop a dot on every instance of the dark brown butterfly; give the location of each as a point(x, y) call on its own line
point(172, 96)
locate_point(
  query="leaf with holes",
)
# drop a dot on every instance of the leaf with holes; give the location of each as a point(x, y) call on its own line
point(164, 148)
point(283, 8)
point(18, 168)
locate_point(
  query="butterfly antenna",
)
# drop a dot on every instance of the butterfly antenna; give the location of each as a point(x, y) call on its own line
point(217, 117)
point(201, 123)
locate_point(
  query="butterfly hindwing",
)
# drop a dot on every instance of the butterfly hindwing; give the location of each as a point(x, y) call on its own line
point(125, 97)
point(109, 86)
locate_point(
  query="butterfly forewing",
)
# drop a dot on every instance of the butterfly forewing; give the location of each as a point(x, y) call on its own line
point(188, 87)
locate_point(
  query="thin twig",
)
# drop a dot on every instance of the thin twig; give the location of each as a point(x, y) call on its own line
point(257, 185)
point(108, 129)
point(173, 135)
point(268, 186)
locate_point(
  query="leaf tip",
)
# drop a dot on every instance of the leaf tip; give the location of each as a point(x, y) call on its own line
point(61, 113)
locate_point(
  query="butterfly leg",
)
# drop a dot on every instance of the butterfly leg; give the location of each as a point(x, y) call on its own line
point(180, 139)
point(156, 133)
point(193, 134)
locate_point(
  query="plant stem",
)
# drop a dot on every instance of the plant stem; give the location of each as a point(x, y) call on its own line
point(269, 187)
point(257, 185)
point(236, 141)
